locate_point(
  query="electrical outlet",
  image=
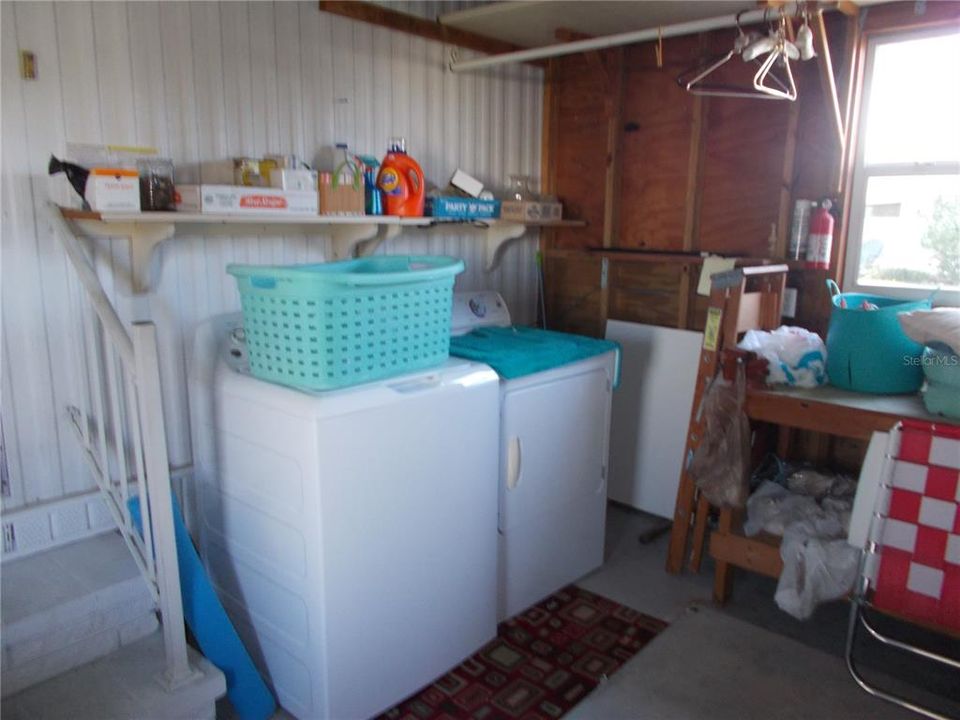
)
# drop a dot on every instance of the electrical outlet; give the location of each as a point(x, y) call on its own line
point(28, 65)
point(9, 538)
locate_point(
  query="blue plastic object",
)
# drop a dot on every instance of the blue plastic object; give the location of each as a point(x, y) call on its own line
point(866, 349)
point(331, 325)
point(208, 621)
point(517, 351)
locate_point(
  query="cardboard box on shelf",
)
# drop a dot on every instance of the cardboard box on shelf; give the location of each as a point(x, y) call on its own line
point(470, 185)
point(528, 211)
point(242, 200)
point(459, 208)
point(346, 197)
point(187, 198)
point(113, 190)
point(287, 179)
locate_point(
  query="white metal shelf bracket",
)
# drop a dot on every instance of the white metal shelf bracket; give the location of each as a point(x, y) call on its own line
point(347, 237)
point(143, 238)
point(385, 232)
point(499, 236)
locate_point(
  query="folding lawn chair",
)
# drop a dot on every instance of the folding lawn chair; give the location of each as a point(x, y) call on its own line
point(910, 566)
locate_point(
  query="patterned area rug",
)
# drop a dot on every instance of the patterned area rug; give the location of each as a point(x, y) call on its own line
point(541, 664)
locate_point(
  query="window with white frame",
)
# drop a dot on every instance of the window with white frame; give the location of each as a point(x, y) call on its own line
point(904, 237)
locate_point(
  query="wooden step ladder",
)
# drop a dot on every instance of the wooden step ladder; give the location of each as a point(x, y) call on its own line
point(748, 298)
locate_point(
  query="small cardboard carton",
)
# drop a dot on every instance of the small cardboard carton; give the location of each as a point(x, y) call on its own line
point(242, 200)
point(459, 208)
point(341, 194)
point(529, 211)
point(113, 190)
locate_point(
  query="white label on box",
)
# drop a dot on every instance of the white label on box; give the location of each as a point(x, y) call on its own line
point(105, 192)
point(242, 200)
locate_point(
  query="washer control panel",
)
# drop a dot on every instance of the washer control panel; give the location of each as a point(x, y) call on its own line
point(471, 310)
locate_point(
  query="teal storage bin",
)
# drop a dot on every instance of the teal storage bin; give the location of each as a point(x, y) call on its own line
point(866, 349)
point(331, 325)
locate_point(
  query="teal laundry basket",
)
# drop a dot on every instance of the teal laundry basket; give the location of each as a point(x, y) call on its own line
point(331, 325)
point(866, 349)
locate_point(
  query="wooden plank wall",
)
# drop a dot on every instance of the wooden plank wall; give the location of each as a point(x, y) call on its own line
point(691, 174)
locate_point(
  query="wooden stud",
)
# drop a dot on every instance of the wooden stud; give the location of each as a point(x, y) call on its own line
point(691, 223)
point(786, 187)
point(611, 200)
point(548, 139)
point(686, 283)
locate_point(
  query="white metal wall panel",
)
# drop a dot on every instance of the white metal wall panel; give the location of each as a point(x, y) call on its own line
point(205, 81)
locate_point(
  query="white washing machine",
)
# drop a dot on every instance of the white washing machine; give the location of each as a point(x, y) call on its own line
point(555, 400)
point(351, 534)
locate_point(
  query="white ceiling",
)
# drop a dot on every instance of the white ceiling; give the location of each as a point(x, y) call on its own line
point(533, 23)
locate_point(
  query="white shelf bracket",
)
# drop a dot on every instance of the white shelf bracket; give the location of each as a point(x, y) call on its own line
point(385, 232)
point(499, 235)
point(346, 238)
point(143, 238)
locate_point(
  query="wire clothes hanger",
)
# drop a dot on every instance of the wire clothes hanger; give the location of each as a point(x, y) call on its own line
point(766, 83)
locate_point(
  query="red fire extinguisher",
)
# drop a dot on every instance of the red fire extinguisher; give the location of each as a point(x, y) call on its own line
point(820, 237)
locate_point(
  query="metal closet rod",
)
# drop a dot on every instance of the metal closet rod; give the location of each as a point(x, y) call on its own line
point(688, 28)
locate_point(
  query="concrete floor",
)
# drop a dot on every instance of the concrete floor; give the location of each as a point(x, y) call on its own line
point(734, 662)
point(714, 664)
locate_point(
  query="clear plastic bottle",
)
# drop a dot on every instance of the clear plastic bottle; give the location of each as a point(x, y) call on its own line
point(157, 192)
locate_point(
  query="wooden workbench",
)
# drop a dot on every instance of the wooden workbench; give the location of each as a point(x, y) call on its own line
point(827, 410)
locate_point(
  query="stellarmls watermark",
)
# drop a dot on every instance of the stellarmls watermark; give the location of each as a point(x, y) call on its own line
point(941, 359)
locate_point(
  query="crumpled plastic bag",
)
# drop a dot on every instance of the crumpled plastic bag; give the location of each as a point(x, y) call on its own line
point(818, 562)
point(796, 356)
point(816, 568)
point(720, 464)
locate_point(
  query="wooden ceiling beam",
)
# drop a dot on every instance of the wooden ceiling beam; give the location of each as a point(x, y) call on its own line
point(430, 29)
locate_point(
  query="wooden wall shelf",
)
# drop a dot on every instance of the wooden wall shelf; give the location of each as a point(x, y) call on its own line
point(351, 235)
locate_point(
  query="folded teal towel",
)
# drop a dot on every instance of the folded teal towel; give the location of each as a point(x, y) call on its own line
point(517, 351)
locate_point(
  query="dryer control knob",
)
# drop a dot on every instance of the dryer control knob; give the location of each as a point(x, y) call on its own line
point(478, 307)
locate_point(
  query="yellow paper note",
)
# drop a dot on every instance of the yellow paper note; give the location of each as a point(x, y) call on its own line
point(712, 264)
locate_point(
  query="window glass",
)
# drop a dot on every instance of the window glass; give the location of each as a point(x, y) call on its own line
point(911, 231)
point(914, 106)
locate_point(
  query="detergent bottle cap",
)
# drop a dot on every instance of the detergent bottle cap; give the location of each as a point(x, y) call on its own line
point(397, 144)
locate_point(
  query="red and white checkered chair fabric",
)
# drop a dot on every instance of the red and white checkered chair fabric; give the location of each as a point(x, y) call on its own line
point(916, 575)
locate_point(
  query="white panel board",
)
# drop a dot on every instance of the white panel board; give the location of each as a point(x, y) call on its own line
point(204, 82)
point(651, 411)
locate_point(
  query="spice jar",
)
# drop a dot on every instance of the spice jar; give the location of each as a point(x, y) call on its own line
point(156, 184)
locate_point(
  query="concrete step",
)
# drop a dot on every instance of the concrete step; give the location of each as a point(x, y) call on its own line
point(123, 685)
point(68, 606)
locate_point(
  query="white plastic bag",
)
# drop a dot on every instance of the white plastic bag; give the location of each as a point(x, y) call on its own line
point(797, 356)
point(818, 562)
point(816, 568)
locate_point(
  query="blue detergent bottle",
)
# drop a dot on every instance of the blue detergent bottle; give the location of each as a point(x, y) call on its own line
point(373, 197)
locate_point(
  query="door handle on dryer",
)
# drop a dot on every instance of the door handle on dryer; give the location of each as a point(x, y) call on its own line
point(514, 463)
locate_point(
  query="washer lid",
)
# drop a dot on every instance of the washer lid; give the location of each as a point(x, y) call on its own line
point(518, 351)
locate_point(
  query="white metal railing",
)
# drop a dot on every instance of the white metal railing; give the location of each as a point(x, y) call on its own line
point(119, 423)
